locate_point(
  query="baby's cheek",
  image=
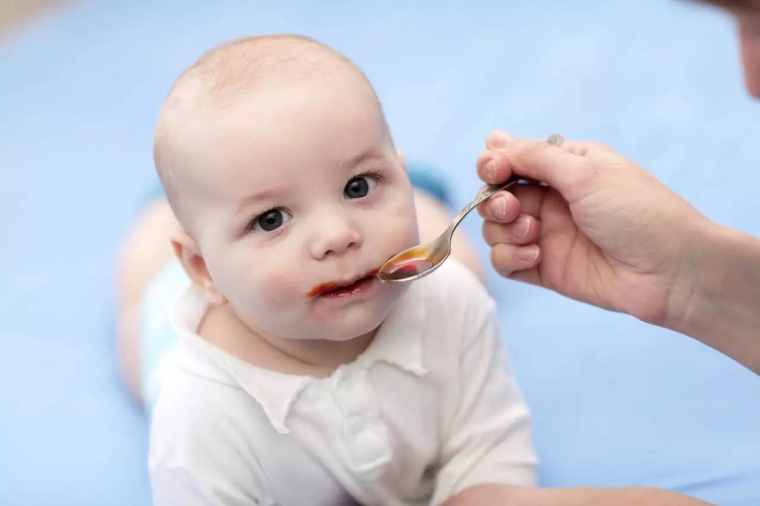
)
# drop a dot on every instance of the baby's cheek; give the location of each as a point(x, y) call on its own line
point(278, 286)
point(401, 225)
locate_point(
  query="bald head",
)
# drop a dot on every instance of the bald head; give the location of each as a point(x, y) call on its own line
point(228, 74)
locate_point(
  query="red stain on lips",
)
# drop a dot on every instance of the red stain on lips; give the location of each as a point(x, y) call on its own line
point(331, 288)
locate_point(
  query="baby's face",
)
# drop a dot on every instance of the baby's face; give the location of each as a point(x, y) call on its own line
point(298, 196)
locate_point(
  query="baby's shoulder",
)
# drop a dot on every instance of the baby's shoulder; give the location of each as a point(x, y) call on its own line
point(192, 407)
point(190, 401)
point(452, 306)
point(451, 288)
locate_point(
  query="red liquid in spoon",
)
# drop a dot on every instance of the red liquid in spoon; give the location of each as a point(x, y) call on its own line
point(410, 267)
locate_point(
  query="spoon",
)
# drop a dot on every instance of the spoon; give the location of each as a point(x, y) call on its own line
point(418, 261)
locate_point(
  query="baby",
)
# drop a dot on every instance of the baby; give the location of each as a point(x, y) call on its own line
point(299, 378)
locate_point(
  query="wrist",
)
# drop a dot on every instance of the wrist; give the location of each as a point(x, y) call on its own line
point(690, 290)
point(716, 298)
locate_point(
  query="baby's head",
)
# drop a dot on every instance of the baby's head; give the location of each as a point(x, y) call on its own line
point(277, 160)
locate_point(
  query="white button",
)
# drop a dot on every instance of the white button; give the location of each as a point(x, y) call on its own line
point(370, 450)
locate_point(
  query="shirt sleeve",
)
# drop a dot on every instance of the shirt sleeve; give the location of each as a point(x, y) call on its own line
point(488, 439)
point(185, 486)
point(198, 458)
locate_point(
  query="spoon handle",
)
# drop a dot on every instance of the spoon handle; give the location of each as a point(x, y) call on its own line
point(483, 195)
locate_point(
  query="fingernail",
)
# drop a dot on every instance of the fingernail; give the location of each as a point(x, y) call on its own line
point(522, 227)
point(528, 254)
point(499, 206)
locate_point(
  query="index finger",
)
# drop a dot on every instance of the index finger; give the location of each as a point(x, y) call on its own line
point(493, 167)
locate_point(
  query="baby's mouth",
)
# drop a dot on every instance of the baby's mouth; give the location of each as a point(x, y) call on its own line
point(342, 289)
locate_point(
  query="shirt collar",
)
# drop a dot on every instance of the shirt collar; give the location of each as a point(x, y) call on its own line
point(399, 342)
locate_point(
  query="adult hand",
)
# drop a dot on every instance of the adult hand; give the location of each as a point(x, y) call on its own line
point(601, 230)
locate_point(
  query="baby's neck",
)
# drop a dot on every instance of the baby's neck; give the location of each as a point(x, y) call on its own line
point(301, 357)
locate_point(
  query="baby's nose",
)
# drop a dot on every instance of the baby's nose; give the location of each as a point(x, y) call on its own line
point(335, 237)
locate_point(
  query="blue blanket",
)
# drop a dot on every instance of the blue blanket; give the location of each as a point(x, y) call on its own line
point(615, 401)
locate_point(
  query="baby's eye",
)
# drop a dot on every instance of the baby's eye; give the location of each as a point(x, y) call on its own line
point(359, 186)
point(269, 220)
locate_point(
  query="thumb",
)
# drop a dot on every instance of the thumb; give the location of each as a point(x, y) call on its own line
point(565, 168)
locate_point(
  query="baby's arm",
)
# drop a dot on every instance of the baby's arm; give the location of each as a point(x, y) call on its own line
point(508, 495)
point(488, 456)
point(488, 437)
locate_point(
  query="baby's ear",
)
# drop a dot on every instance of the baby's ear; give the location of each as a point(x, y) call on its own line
point(192, 261)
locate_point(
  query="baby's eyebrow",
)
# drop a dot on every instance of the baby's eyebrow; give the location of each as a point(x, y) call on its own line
point(265, 194)
point(369, 154)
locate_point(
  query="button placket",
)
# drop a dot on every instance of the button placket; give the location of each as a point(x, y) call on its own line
point(365, 435)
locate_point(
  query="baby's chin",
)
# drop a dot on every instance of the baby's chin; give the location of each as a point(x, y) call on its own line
point(353, 325)
point(344, 331)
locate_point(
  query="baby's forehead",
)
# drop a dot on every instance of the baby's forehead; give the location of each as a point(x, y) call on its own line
point(237, 71)
point(224, 78)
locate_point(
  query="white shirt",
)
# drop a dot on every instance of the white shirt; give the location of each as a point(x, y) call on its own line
point(427, 410)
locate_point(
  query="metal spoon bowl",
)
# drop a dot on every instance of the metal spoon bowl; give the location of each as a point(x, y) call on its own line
point(419, 261)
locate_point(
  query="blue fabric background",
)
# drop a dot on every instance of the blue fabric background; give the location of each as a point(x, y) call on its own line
point(615, 401)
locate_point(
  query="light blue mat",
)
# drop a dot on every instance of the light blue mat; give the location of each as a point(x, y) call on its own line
point(615, 401)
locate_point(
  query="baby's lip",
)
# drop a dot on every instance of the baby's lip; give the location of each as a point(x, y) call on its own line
point(330, 286)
